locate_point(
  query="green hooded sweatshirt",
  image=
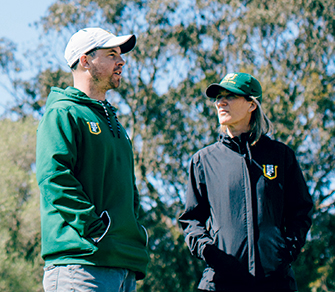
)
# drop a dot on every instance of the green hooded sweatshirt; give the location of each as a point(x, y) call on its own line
point(85, 172)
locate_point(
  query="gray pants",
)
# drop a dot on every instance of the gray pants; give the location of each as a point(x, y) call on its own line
point(77, 278)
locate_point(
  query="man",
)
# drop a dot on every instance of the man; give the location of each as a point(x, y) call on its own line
point(248, 209)
point(91, 239)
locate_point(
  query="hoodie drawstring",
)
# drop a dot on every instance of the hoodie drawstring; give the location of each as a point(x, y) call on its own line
point(108, 118)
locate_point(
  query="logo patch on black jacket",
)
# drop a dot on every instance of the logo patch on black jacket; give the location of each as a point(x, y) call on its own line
point(270, 171)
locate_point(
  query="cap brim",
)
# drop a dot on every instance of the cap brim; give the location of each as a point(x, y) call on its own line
point(214, 89)
point(126, 43)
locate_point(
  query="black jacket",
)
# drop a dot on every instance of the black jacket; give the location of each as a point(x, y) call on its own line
point(247, 214)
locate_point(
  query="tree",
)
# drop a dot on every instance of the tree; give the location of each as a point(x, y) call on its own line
point(21, 267)
point(316, 263)
point(182, 47)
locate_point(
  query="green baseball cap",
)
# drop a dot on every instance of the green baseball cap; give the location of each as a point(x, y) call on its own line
point(238, 83)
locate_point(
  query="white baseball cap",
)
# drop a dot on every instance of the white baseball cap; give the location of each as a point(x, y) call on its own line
point(90, 38)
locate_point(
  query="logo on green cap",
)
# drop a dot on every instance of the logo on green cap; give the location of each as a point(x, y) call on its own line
point(229, 78)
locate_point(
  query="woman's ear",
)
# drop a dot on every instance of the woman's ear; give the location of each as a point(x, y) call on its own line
point(252, 107)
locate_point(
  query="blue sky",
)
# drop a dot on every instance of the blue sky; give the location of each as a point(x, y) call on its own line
point(16, 23)
point(17, 15)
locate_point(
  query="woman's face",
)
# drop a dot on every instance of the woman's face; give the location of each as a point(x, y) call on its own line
point(234, 111)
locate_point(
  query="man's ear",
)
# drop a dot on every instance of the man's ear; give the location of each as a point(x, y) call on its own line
point(252, 107)
point(83, 60)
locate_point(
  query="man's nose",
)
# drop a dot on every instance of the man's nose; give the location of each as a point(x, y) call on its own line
point(120, 61)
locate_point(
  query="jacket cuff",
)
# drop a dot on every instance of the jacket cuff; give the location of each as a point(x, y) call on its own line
point(210, 254)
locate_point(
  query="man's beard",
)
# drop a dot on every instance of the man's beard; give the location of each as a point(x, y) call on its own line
point(104, 83)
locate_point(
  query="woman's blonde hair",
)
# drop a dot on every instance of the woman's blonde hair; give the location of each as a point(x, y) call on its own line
point(259, 122)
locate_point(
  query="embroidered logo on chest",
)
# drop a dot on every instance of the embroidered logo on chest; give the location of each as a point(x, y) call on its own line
point(94, 128)
point(270, 171)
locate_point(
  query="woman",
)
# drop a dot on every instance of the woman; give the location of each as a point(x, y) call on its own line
point(248, 209)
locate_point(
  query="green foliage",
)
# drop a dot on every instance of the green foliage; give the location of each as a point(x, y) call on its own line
point(8, 63)
point(317, 261)
point(21, 267)
point(182, 47)
point(171, 268)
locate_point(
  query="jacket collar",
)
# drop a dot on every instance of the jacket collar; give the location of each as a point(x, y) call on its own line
point(240, 144)
point(236, 143)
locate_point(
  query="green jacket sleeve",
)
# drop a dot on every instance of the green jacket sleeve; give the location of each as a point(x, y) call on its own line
point(56, 157)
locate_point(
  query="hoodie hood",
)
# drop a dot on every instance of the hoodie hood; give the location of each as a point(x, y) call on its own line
point(69, 94)
point(74, 95)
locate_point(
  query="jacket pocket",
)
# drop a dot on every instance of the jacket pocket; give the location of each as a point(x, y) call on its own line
point(146, 235)
point(107, 221)
point(273, 251)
